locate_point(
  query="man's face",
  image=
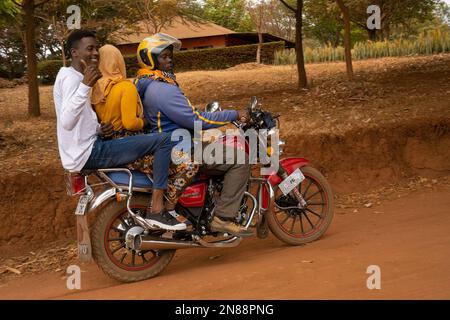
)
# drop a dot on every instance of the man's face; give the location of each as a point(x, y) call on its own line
point(86, 50)
point(165, 60)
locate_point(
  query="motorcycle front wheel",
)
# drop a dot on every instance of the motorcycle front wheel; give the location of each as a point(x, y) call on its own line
point(296, 226)
point(108, 244)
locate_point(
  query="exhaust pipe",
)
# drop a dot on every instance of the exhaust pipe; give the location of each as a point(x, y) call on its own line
point(136, 241)
point(151, 243)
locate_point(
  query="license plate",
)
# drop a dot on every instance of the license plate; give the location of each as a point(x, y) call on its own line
point(291, 182)
point(82, 205)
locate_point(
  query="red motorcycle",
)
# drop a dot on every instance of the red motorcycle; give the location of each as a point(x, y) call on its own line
point(295, 203)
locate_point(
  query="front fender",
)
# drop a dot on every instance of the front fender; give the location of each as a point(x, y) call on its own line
point(290, 165)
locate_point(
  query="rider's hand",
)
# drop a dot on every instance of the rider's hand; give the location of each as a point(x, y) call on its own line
point(106, 130)
point(243, 115)
point(91, 74)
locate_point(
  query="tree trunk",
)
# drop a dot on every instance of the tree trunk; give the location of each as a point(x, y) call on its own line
point(63, 53)
point(372, 34)
point(302, 80)
point(33, 85)
point(258, 51)
point(347, 38)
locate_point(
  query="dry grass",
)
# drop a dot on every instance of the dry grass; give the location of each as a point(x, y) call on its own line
point(429, 42)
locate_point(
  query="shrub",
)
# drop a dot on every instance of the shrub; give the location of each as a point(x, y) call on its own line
point(214, 59)
point(429, 42)
point(202, 59)
point(48, 69)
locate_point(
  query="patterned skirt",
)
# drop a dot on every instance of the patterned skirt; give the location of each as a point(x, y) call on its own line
point(180, 175)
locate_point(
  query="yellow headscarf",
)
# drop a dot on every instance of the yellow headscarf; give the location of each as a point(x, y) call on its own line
point(112, 67)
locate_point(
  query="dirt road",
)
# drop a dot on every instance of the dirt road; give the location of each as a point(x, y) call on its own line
point(408, 238)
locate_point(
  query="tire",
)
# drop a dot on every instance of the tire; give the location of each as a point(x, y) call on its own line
point(101, 246)
point(276, 217)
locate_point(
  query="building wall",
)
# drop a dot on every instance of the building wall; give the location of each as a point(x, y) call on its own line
point(203, 43)
point(186, 44)
point(232, 41)
point(128, 49)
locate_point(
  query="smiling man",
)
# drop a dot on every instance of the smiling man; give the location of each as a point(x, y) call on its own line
point(81, 138)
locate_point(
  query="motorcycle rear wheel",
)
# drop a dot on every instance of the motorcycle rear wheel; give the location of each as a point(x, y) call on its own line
point(108, 244)
point(300, 226)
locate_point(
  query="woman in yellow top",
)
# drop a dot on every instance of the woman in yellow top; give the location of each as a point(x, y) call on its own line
point(116, 100)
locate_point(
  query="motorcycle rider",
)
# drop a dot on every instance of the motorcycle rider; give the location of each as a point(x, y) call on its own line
point(81, 140)
point(167, 109)
point(116, 100)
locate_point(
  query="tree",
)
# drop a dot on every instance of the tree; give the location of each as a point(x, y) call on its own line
point(281, 20)
point(298, 11)
point(260, 19)
point(231, 14)
point(12, 59)
point(394, 13)
point(28, 25)
point(322, 21)
point(158, 14)
point(270, 16)
point(347, 38)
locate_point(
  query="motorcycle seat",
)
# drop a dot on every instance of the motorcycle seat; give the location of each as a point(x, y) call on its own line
point(140, 180)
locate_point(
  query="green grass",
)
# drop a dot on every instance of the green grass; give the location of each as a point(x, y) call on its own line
point(429, 42)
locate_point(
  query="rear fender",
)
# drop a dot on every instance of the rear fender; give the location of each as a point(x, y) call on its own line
point(98, 200)
point(290, 165)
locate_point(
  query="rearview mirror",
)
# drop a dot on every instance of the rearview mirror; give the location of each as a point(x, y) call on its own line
point(253, 103)
point(213, 107)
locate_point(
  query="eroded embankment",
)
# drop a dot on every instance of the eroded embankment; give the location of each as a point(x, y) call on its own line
point(34, 208)
point(367, 158)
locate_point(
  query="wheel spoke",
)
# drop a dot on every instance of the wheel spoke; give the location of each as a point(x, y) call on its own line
point(123, 221)
point(118, 248)
point(307, 188)
point(118, 230)
point(306, 216)
point(318, 191)
point(144, 260)
point(133, 258)
point(301, 222)
point(314, 213)
point(293, 223)
point(123, 257)
point(285, 219)
point(116, 239)
point(316, 203)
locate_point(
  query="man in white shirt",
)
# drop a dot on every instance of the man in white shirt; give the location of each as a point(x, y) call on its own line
point(80, 141)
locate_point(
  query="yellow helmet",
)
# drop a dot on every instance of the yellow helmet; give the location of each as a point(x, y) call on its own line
point(150, 48)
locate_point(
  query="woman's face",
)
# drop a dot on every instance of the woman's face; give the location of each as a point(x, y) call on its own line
point(165, 60)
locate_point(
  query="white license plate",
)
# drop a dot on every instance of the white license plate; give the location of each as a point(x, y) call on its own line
point(82, 205)
point(291, 182)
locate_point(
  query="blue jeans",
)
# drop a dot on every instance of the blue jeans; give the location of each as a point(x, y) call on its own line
point(120, 152)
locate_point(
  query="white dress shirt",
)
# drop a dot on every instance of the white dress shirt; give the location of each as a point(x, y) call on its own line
point(77, 122)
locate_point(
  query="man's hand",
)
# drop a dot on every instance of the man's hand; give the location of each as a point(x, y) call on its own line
point(91, 74)
point(106, 130)
point(243, 115)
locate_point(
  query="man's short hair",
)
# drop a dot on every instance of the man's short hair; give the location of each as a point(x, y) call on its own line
point(75, 36)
